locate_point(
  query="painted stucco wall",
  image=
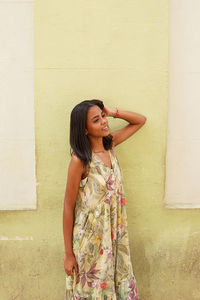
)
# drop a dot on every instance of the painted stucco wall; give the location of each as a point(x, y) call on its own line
point(116, 51)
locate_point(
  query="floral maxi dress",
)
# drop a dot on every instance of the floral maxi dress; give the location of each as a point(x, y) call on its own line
point(100, 237)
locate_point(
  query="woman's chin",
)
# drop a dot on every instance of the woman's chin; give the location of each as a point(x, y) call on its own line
point(106, 133)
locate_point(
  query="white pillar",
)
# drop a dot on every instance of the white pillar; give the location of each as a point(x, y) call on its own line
point(17, 139)
point(182, 189)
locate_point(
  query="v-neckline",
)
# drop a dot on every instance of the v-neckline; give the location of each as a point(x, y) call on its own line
point(102, 160)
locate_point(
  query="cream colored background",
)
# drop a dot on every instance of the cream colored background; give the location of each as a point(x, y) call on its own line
point(116, 51)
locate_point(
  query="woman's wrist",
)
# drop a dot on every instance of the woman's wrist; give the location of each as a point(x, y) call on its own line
point(116, 113)
point(69, 253)
point(113, 113)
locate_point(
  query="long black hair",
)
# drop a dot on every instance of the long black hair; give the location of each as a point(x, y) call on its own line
point(79, 141)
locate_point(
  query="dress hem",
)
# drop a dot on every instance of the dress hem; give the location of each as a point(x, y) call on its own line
point(70, 296)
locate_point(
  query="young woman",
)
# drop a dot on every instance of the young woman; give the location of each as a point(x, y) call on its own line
point(97, 256)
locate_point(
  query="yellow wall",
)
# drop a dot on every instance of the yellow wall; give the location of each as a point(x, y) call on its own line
point(116, 51)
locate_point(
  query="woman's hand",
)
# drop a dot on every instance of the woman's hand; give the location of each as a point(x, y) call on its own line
point(70, 263)
point(109, 112)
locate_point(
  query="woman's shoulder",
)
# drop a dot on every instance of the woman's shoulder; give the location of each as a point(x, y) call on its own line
point(79, 165)
point(76, 160)
point(76, 163)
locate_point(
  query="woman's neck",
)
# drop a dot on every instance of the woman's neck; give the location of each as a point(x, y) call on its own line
point(97, 145)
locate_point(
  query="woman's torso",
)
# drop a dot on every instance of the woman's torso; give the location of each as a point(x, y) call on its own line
point(96, 190)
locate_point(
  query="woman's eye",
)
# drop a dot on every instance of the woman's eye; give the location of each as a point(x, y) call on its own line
point(103, 115)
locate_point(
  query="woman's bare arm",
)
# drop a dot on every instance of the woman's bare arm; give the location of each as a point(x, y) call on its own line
point(75, 171)
point(136, 121)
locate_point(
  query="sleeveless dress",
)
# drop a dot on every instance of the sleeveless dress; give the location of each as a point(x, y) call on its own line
point(100, 237)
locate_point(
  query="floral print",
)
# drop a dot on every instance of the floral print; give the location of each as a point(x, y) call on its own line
point(100, 237)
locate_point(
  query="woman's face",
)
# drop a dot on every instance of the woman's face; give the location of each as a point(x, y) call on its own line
point(97, 124)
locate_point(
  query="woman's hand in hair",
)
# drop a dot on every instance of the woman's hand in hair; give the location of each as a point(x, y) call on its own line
point(108, 111)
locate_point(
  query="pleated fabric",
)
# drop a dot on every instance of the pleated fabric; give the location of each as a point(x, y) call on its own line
point(100, 237)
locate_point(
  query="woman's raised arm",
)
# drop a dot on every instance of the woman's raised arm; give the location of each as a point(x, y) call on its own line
point(136, 121)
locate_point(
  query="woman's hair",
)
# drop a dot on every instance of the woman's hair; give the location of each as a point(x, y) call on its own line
point(79, 141)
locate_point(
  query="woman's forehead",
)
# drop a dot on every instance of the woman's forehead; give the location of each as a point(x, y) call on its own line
point(94, 110)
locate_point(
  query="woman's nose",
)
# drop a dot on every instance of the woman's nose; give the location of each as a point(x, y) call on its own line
point(104, 121)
